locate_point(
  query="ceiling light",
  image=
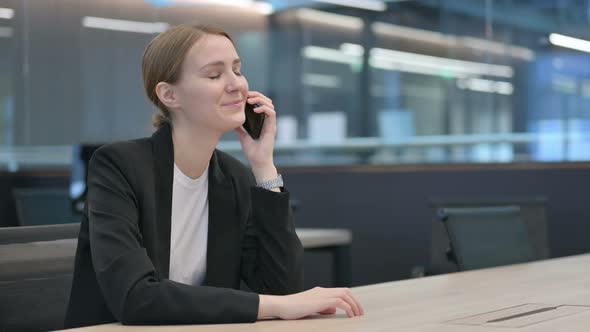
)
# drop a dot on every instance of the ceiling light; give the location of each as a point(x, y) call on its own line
point(407, 62)
point(262, 7)
point(375, 5)
point(235, 3)
point(321, 80)
point(440, 63)
point(320, 17)
point(453, 41)
point(6, 13)
point(569, 42)
point(123, 25)
point(488, 86)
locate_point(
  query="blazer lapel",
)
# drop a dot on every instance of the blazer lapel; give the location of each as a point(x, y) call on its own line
point(223, 240)
point(163, 152)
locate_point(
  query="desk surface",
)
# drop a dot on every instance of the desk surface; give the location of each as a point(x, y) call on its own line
point(34, 251)
point(428, 304)
point(41, 259)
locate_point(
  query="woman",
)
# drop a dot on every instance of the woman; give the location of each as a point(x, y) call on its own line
point(173, 225)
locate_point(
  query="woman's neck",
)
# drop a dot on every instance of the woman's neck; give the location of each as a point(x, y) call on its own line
point(193, 149)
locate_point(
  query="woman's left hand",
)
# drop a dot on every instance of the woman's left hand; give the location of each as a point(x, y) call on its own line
point(259, 152)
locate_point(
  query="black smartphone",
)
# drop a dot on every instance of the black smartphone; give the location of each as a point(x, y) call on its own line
point(254, 121)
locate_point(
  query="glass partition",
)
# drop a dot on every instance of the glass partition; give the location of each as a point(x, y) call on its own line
point(420, 81)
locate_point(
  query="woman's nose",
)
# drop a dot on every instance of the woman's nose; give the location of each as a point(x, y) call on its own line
point(236, 83)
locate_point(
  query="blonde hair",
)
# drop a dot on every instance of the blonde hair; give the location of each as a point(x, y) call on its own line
point(163, 58)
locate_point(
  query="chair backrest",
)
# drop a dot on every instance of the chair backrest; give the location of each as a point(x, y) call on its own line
point(81, 155)
point(483, 237)
point(24, 234)
point(34, 304)
point(43, 207)
point(35, 283)
point(533, 213)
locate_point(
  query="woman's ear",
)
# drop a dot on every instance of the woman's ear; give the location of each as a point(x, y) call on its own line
point(167, 95)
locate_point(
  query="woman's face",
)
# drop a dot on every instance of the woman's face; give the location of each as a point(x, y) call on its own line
point(212, 91)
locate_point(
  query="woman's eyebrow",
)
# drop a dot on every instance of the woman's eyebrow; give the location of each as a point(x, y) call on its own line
point(219, 64)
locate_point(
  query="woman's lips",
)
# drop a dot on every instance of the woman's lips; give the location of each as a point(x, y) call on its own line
point(235, 103)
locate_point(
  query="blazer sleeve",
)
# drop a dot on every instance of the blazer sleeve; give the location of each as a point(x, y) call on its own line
point(127, 278)
point(272, 255)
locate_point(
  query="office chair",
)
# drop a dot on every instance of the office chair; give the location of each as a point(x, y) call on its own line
point(43, 207)
point(37, 304)
point(482, 237)
point(81, 155)
point(34, 296)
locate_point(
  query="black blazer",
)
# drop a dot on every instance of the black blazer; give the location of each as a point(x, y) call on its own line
point(123, 255)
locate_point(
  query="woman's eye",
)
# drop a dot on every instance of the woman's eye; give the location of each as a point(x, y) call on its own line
point(238, 73)
point(214, 77)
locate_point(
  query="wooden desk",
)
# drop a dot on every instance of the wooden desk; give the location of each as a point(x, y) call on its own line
point(429, 304)
point(48, 258)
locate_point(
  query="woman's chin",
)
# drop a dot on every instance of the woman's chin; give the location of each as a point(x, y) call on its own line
point(239, 119)
point(235, 122)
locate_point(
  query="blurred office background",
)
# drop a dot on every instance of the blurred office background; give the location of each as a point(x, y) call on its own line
point(387, 111)
point(442, 81)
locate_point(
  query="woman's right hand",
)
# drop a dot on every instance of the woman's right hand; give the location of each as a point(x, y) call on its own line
point(314, 301)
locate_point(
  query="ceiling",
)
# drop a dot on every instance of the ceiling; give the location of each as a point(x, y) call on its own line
point(565, 16)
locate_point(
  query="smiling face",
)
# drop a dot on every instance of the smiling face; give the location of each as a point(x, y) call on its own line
point(211, 92)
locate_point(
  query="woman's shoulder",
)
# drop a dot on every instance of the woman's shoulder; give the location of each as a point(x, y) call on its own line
point(129, 151)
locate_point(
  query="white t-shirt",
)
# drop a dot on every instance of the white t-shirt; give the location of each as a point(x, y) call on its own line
point(189, 228)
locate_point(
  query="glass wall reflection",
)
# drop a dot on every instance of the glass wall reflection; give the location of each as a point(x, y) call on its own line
point(420, 81)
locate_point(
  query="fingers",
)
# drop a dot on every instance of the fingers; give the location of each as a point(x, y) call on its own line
point(270, 127)
point(267, 110)
point(346, 295)
point(355, 307)
point(343, 299)
point(255, 97)
point(266, 107)
point(356, 302)
point(260, 101)
point(340, 303)
point(258, 97)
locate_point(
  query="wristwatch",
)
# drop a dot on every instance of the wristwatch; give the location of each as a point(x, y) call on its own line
point(272, 183)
